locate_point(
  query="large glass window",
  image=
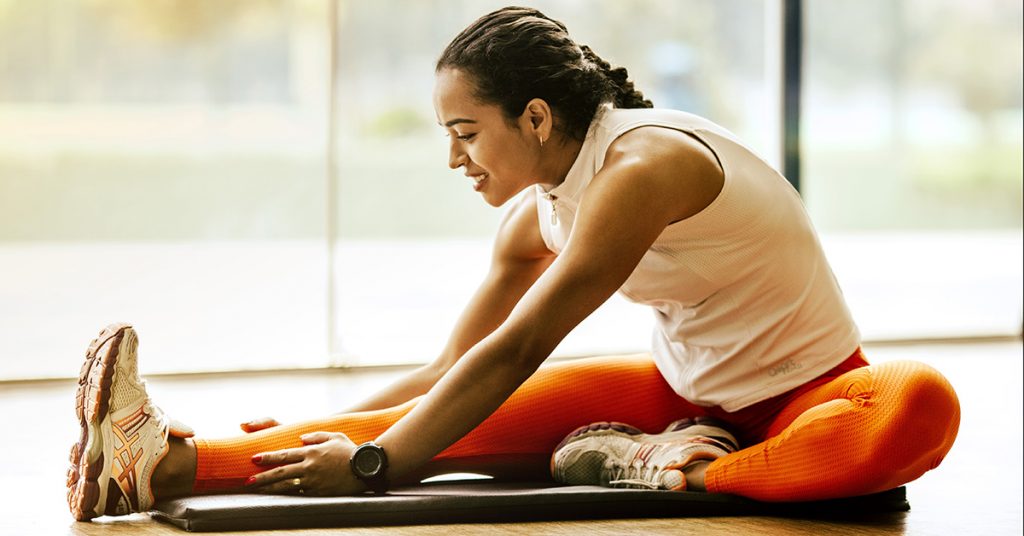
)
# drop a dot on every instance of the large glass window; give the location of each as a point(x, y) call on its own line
point(166, 163)
point(250, 197)
point(913, 161)
point(162, 163)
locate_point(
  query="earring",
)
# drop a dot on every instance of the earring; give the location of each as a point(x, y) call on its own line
point(541, 141)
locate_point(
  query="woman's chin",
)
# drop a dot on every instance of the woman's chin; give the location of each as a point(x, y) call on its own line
point(497, 197)
point(494, 201)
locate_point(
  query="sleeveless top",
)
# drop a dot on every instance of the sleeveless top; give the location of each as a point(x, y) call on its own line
point(745, 304)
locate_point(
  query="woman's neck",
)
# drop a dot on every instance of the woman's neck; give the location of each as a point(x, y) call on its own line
point(557, 157)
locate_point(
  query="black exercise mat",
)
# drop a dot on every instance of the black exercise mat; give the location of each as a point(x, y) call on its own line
point(493, 502)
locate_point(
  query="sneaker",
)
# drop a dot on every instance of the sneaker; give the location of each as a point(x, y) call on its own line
point(123, 434)
point(618, 455)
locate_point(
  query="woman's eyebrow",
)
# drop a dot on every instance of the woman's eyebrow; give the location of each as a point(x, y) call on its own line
point(454, 122)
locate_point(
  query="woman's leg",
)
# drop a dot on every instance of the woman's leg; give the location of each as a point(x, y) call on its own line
point(869, 430)
point(522, 433)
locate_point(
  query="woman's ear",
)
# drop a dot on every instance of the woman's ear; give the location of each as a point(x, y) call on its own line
point(538, 119)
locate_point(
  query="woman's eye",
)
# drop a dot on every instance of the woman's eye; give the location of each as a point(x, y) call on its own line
point(463, 137)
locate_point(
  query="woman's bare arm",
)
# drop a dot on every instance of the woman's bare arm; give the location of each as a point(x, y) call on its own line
point(518, 259)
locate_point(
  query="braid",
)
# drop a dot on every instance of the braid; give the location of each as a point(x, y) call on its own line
point(625, 93)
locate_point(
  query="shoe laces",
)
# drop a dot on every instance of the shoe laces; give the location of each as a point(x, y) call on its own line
point(155, 412)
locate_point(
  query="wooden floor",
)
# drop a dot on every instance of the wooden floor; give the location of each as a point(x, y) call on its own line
point(977, 490)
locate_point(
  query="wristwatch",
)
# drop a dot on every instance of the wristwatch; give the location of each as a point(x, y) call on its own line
point(369, 463)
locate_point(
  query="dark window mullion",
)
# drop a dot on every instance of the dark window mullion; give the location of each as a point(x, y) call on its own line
point(792, 67)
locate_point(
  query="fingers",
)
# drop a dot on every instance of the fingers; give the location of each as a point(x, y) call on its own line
point(280, 457)
point(289, 486)
point(179, 429)
point(314, 438)
point(277, 480)
point(256, 425)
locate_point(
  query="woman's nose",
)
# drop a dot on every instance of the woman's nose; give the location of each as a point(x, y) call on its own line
point(456, 157)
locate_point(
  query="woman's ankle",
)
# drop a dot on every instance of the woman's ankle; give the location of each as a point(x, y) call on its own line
point(175, 475)
point(694, 474)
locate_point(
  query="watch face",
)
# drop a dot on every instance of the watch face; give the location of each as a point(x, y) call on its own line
point(368, 462)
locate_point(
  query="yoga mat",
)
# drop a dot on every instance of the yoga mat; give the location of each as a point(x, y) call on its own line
point(493, 502)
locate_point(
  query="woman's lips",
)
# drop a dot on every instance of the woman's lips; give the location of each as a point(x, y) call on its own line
point(478, 181)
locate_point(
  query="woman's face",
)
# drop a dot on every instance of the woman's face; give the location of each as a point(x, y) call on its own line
point(500, 159)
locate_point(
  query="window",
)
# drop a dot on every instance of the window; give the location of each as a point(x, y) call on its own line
point(198, 169)
point(912, 161)
point(162, 163)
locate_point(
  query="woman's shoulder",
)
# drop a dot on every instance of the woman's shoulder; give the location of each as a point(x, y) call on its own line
point(655, 138)
point(618, 120)
point(671, 162)
point(618, 130)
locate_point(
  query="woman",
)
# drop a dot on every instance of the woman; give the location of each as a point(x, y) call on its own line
point(606, 194)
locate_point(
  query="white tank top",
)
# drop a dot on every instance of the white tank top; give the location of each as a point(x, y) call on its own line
point(746, 306)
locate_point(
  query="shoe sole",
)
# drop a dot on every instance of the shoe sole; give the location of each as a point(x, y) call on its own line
point(92, 402)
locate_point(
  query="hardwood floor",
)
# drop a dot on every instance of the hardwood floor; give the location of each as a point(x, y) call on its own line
point(977, 490)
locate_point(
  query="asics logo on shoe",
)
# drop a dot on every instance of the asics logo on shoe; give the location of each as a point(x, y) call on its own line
point(128, 452)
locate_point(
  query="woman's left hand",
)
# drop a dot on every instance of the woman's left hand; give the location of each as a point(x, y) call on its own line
point(320, 468)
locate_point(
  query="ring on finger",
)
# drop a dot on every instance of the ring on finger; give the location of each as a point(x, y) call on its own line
point(297, 482)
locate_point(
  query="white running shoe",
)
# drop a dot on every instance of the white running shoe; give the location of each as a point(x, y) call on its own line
point(123, 434)
point(613, 454)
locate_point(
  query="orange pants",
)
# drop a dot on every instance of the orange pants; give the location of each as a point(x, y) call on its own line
point(855, 430)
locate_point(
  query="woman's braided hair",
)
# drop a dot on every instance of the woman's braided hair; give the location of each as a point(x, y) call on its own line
point(516, 54)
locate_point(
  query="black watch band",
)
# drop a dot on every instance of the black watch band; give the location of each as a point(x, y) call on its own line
point(369, 463)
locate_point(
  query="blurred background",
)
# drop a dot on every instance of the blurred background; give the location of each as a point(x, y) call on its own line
point(261, 184)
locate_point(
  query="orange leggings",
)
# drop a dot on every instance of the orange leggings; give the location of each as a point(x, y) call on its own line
point(855, 430)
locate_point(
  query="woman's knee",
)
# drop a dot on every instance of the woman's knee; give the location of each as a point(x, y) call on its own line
point(924, 391)
point(923, 409)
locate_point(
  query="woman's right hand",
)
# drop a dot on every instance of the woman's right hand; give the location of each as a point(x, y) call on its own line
point(256, 425)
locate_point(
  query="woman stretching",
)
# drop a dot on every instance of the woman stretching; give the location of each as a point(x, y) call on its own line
point(606, 194)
